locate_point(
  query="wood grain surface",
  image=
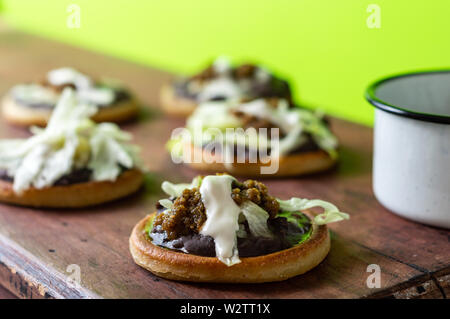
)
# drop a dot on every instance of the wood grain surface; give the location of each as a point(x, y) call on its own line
point(6, 294)
point(38, 248)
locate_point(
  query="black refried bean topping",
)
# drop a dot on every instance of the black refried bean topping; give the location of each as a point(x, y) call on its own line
point(75, 177)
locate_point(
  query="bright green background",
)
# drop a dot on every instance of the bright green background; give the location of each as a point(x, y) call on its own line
point(323, 46)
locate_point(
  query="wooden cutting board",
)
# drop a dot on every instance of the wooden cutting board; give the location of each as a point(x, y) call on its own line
point(39, 249)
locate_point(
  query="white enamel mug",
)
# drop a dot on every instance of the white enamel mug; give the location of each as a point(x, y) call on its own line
point(411, 161)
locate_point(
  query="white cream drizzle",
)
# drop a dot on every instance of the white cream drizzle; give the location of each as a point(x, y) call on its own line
point(222, 217)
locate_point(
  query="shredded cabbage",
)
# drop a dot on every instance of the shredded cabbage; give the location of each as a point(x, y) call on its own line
point(166, 203)
point(70, 140)
point(175, 146)
point(34, 93)
point(86, 89)
point(331, 213)
point(175, 190)
point(219, 115)
point(256, 218)
point(212, 115)
point(300, 220)
point(108, 154)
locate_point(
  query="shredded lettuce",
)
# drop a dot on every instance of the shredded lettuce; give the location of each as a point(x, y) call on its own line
point(212, 115)
point(241, 232)
point(34, 93)
point(313, 124)
point(301, 221)
point(166, 203)
point(108, 154)
point(70, 140)
point(149, 225)
point(331, 213)
point(256, 218)
point(292, 140)
point(86, 90)
point(175, 190)
point(175, 146)
point(212, 119)
point(57, 163)
point(30, 167)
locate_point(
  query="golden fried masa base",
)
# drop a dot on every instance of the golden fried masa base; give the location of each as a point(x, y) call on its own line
point(23, 115)
point(277, 266)
point(289, 165)
point(175, 105)
point(75, 195)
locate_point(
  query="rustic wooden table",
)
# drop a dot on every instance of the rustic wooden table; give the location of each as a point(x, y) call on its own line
point(38, 246)
point(5, 294)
